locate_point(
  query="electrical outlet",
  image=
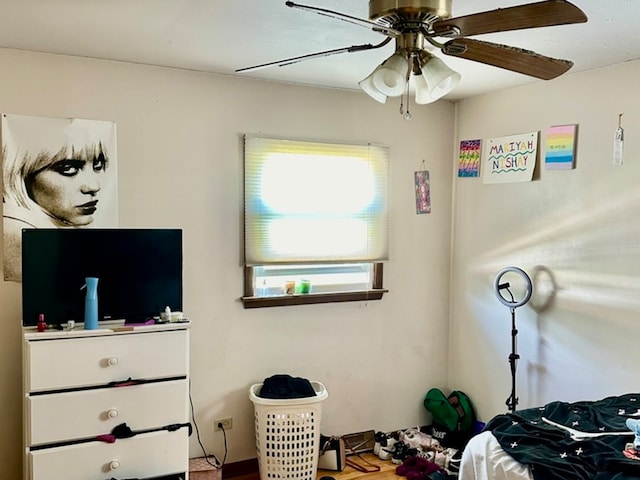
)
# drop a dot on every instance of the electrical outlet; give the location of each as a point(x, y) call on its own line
point(219, 424)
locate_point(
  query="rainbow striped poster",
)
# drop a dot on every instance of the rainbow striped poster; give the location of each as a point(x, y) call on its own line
point(560, 151)
point(469, 158)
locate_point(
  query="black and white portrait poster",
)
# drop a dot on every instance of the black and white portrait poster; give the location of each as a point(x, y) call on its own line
point(57, 173)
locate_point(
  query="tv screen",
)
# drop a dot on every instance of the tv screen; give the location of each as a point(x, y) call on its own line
point(139, 273)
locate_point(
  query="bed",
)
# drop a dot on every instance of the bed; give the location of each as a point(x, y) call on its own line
point(559, 441)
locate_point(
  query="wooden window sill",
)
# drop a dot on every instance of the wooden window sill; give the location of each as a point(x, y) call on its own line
point(311, 298)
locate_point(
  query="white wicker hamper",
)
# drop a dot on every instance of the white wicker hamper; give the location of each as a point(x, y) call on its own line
point(288, 434)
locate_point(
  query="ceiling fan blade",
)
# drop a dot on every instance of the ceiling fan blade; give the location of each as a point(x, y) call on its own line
point(347, 18)
point(542, 14)
point(325, 53)
point(507, 57)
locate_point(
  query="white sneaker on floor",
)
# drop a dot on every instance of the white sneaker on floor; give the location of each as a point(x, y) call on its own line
point(417, 439)
point(387, 451)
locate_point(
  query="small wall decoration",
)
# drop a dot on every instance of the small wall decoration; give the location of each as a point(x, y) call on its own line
point(560, 151)
point(510, 159)
point(58, 173)
point(618, 143)
point(423, 192)
point(469, 158)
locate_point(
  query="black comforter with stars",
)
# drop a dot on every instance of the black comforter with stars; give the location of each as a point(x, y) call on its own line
point(565, 441)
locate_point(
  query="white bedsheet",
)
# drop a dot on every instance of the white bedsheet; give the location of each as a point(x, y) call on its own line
point(484, 459)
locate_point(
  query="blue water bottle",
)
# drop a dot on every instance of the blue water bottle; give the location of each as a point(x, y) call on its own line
point(91, 304)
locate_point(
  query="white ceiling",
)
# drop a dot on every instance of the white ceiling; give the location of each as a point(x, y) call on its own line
point(221, 36)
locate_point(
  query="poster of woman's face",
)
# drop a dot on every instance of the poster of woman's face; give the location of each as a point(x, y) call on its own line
point(57, 173)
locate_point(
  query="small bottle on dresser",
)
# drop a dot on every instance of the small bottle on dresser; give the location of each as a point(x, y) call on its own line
point(41, 325)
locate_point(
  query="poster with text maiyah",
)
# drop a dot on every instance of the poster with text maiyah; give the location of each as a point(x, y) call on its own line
point(510, 159)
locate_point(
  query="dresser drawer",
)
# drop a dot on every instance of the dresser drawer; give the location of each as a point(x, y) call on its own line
point(79, 362)
point(85, 414)
point(143, 456)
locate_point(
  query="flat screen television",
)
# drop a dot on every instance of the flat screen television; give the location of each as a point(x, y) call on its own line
point(139, 273)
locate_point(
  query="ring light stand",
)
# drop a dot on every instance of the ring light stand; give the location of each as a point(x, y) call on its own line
point(512, 303)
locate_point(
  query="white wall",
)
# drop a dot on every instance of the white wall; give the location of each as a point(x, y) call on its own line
point(580, 227)
point(180, 165)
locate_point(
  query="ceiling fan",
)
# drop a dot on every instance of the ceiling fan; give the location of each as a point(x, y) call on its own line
point(419, 25)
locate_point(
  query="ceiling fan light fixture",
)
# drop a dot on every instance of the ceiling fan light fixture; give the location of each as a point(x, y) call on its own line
point(440, 78)
point(423, 92)
point(390, 78)
point(414, 23)
point(370, 89)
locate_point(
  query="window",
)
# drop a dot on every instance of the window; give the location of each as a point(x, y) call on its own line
point(315, 214)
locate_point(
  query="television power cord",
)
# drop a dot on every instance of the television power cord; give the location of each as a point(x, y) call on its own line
point(218, 463)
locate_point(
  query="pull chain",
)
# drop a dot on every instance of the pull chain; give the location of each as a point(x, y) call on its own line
point(406, 114)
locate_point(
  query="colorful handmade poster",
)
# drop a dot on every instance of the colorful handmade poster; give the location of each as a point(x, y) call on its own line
point(423, 193)
point(469, 158)
point(510, 159)
point(560, 151)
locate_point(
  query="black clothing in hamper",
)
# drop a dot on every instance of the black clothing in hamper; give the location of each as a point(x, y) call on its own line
point(285, 386)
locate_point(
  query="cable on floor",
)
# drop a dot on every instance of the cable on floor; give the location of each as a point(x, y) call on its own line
point(217, 464)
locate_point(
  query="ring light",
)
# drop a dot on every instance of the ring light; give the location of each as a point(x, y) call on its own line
point(512, 303)
point(498, 286)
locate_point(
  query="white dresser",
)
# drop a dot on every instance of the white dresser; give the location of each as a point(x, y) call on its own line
point(80, 385)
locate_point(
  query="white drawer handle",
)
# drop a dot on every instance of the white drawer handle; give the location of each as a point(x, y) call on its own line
point(112, 413)
point(114, 465)
point(111, 361)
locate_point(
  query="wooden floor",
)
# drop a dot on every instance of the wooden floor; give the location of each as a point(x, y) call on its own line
point(387, 471)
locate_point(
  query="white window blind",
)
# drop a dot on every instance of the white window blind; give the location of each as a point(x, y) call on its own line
point(313, 202)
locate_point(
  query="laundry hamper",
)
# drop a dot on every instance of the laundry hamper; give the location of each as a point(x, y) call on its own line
point(288, 434)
